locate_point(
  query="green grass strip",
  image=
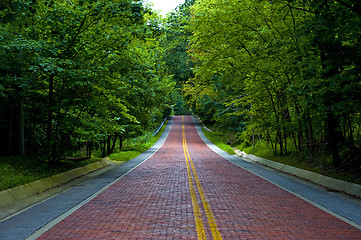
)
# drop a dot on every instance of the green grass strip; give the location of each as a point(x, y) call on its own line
point(220, 140)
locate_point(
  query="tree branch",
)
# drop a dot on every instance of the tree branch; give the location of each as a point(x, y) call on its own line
point(244, 47)
point(300, 9)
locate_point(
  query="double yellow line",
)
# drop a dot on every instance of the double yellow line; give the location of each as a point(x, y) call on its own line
point(197, 212)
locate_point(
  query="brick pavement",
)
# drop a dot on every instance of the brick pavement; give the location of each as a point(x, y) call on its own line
point(153, 202)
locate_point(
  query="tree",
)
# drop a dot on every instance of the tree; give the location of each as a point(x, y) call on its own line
point(291, 68)
point(175, 42)
point(88, 72)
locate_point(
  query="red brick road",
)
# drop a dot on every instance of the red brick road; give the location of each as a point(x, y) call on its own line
point(154, 202)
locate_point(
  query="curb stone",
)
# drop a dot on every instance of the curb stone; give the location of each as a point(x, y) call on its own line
point(9, 196)
point(204, 126)
point(327, 182)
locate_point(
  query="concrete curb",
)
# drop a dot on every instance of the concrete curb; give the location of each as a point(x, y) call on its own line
point(203, 126)
point(327, 182)
point(12, 195)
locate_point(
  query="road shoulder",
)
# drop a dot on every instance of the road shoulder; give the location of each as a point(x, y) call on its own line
point(338, 204)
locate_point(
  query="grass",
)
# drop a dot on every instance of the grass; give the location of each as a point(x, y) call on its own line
point(124, 155)
point(220, 139)
point(321, 166)
point(264, 151)
point(16, 171)
point(134, 147)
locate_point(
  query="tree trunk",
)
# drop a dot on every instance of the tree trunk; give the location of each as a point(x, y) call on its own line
point(120, 142)
point(285, 140)
point(114, 142)
point(21, 136)
point(295, 141)
point(270, 140)
point(333, 138)
point(49, 126)
point(330, 51)
point(350, 134)
point(103, 147)
point(267, 141)
point(10, 136)
point(108, 144)
point(88, 148)
point(310, 135)
point(253, 139)
point(275, 151)
point(280, 139)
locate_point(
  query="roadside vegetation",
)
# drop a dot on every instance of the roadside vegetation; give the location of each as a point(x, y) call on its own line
point(80, 80)
point(223, 139)
point(283, 76)
point(78, 77)
point(134, 147)
point(16, 171)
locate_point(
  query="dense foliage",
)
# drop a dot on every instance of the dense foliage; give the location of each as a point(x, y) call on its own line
point(286, 72)
point(175, 42)
point(90, 74)
point(78, 74)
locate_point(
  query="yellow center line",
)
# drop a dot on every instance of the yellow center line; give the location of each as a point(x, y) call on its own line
point(199, 224)
point(197, 213)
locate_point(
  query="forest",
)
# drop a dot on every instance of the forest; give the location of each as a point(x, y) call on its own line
point(283, 72)
point(79, 74)
point(91, 73)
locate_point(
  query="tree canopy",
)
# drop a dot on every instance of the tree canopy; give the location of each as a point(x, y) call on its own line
point(78, 72)
point(86, 73)
point(288, 72)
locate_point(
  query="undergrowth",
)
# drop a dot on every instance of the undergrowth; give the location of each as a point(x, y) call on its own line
point(318, 164)
point(16, 171)
point(220, 139)
point(134, 147)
